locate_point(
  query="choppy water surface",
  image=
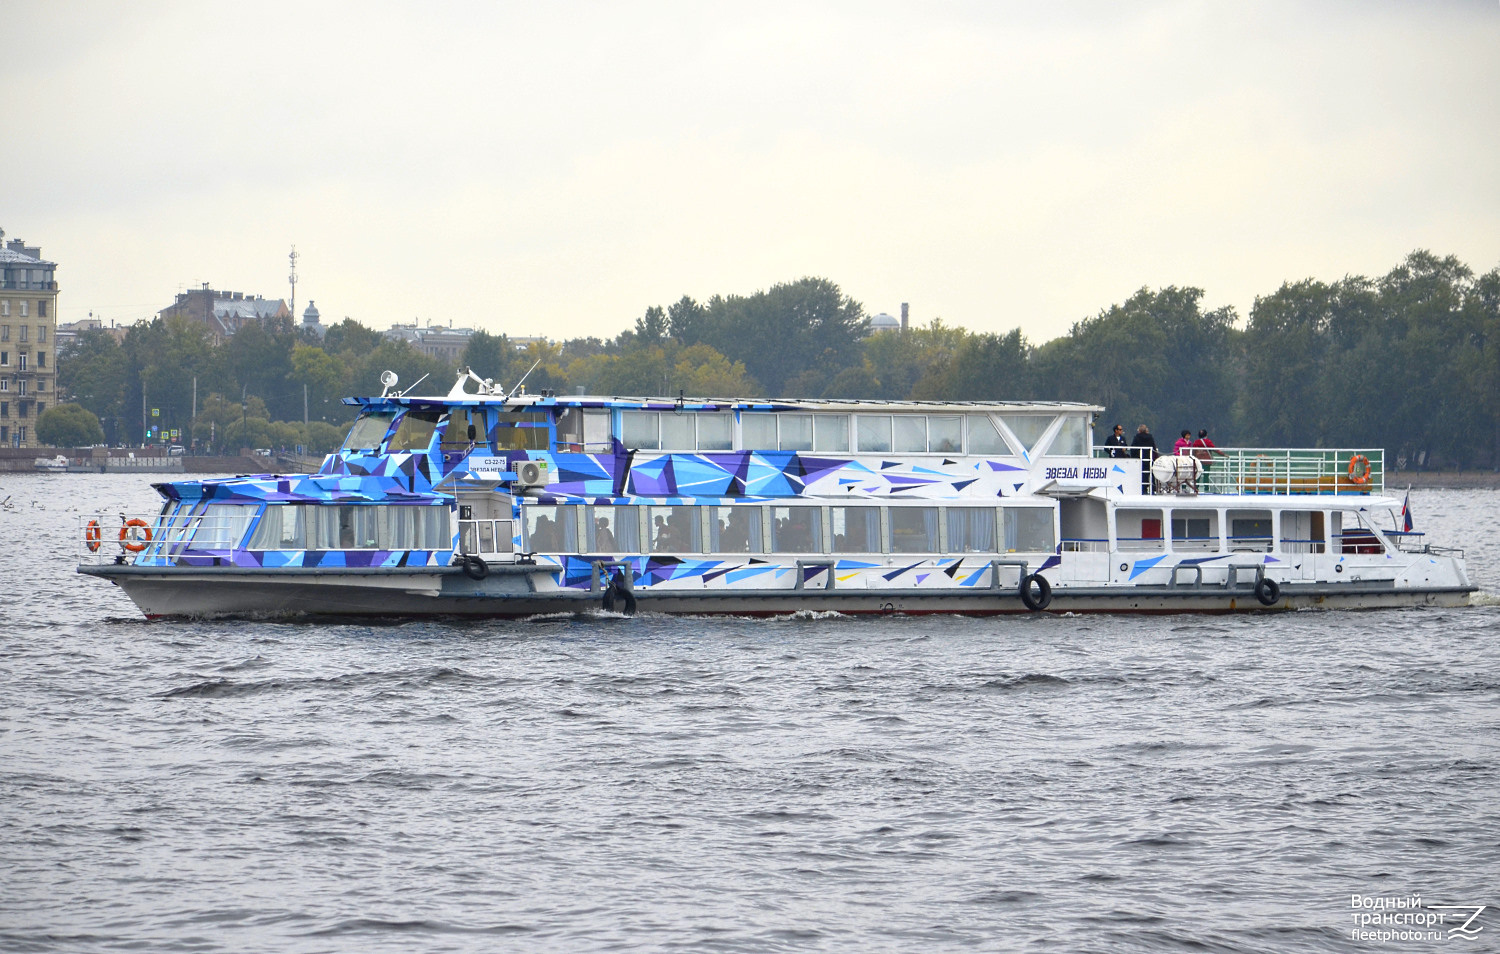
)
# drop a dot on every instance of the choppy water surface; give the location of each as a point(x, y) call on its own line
point(1101, 783)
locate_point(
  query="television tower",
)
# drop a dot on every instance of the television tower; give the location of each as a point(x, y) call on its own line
point(293, 280)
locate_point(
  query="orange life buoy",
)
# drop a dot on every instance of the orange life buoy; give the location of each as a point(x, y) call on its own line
point(91, 536)
point(128, 538)
point(1359, 469)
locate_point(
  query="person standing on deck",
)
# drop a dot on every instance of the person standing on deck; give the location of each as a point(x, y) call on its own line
point(1115, 442)
point(1183, 443)
point(1143, 445)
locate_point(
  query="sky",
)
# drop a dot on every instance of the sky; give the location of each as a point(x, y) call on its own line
point(556, 168)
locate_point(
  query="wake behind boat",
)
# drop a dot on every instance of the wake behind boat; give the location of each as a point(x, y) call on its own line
point(483, 503)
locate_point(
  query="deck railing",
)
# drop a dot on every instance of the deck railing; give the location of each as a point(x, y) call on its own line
point(1283, 470)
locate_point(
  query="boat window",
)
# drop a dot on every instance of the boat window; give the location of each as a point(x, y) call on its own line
point(984, 438)
point(521, 430)
point(715, 431)
point(831, 433)
point(971, 529)
point(855, 529)
point(596, 433)
point(1072, 439)
point(678, 433)
point(352, 527)
point(550, 529)
point(1029, 530)
point(640, 430)
point(222, 526)
point(570, 430)
point(1195, 532)
point(734, 530)
point(613, 529)
point(1358, 538)
point(465, 429)
point(873, 433)
point(910, 434)
point(1138, 529)
point(1028, 428)
point(414, 431)
point(914, 529)
point(945, 435)
point(797, 529)
point(1302, 531)
point(796, 432)
point(1249, 531)
point(369, 430)
point(281, 527)
point(675, 530)
point(758, 431)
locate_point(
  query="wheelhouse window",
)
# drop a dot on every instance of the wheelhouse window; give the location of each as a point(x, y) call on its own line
point(466, 429)
point(678, 432)
point(1028, 428)
point(971, 529)
point(640, 430)
point(855, 529)
point(1029, 530)
point(873, 433)
point(984, 438)
point(758, 431)
point(369, 431)
point(1072, 439)
point(831, 433)
point(909, 434)
point(945, 435)
point(522, 430)
point(914, 530)
point(734, 530)
point(796, 530)
point(414, 431)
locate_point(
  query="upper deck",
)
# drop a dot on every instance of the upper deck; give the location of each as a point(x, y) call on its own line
point(583, 446)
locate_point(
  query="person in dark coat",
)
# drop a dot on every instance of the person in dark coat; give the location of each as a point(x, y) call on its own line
point(1115, 442)
point(1143, 445)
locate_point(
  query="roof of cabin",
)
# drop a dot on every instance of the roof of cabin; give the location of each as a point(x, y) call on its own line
point(726, 404)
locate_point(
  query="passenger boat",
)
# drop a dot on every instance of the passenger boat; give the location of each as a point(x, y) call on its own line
point(486, 503)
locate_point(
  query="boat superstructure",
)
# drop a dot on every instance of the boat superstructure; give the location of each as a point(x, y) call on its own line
point(483, 503)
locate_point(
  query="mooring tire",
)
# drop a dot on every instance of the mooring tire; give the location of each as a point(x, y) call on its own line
point(1043, 596)
point(1267, 591)
point(617, 594)
point(475, 568)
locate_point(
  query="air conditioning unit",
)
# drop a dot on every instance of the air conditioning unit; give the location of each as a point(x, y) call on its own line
point(532, 473)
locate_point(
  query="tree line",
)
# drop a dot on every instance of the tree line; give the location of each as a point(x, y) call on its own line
point(1409, 361)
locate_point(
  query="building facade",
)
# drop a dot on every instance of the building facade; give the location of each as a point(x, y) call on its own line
point(28, 335)
point(225, 312)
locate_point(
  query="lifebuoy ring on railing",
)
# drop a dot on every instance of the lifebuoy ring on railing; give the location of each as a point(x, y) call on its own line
point(1359, 469)
point(92, 535)
point(130, 540)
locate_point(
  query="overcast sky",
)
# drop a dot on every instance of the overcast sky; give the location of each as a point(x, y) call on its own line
point(554, 168)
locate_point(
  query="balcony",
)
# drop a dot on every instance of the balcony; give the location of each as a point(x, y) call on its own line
point(27, 286)
point(1283, 470)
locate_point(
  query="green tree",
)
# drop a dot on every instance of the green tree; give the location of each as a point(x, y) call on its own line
point(653, 325)
point(69, 425)
point(487, 355)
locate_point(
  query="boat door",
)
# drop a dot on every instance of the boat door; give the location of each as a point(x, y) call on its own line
point(485, 527)
point(1084, 522)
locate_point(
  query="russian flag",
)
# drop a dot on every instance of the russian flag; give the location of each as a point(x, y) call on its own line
point(1406, 512)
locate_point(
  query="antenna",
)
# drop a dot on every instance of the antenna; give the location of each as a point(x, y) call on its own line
point(517, 388)
point(293, 280)
point(418, 381)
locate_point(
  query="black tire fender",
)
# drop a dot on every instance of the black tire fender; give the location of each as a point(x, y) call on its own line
point(1042, 598)
point(618, 594)
point(475, 568)
point(1267, 591)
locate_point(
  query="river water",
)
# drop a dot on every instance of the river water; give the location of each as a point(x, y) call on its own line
point(805, 784)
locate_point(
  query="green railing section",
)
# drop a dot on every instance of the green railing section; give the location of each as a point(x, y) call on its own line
point(1282, 470)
